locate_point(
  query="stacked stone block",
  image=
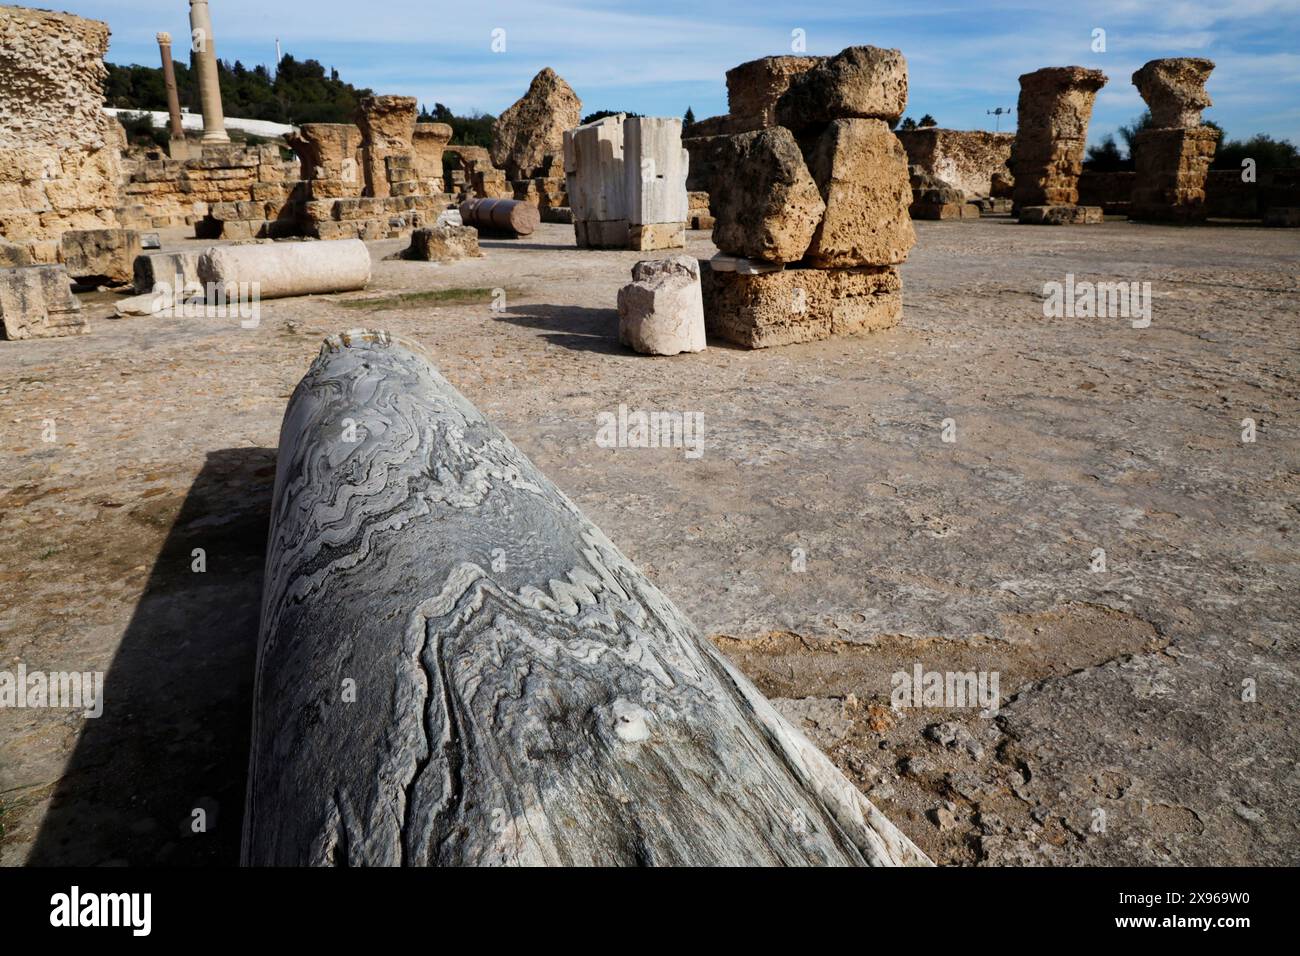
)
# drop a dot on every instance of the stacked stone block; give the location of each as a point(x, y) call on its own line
point(812, 215)
point(1053, 113)
point(1172, 158)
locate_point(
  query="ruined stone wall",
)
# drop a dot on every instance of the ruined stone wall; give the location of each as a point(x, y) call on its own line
point(60, 165)
point(168, 192)
point(965, 159)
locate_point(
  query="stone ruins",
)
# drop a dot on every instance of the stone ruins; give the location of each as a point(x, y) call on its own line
point(972, 162)
point(528, 142)
point(1051, 136)
point(811, 219)
point(627, 183)
point(60, 154)
point(1173, 157)
point(662, 311)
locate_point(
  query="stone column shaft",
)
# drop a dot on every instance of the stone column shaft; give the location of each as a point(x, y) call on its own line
point(205, 61)
point(169, 78)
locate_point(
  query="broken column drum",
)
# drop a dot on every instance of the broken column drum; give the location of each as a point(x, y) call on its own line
point(500, 215)
point(456, 667)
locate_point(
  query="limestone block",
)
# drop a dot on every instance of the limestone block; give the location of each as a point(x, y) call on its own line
point(274, 270)
point(753, 89)
point(37, 302)
point(1174, 90)
point(100, 255)
point(750, 267)
point(866, 82)
point(860, 168)
point(429, 140)
point(534, 126)
point(944, 210)
point(662, 312)
point(765, 201)
point(443, 243)
point(12, 254)
point(1064, 215)
point(799, 305)
point(387, 125)
point(173, 269)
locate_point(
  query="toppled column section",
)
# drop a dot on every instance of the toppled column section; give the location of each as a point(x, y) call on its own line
point(36, 302)
point(662, 312)
point(280, 269)
point(632, 741)
point(627, 183)
point(1172, 158)
point(510, 217)
point(813, 225)
point(60, 165)
point(1051, 134)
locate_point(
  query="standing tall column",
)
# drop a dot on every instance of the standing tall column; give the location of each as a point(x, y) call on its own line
point(205, 60)
point(177, 149)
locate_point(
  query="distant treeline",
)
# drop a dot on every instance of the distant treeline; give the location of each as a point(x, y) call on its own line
point(1267, 152)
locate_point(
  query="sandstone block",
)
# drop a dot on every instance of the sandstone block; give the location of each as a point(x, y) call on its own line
point(969, 160)
point(753, 89)
point(860, 168)
point(1171, 166)
point(37, 302)
point(865, 82)
point(647, 237)
point(662, 311)
point(799, 305)
point(100, 255)
point(765, 201)
point(443, 243)
point(1174, 90)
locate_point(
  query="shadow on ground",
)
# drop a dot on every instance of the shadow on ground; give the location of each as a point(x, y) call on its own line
point(572, 326)
point(178, 695)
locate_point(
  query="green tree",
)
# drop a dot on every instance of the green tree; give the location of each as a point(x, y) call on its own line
point(926, 121)
point(1106, 157)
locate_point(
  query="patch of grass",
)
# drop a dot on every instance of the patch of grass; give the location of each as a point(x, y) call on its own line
point(412, 300)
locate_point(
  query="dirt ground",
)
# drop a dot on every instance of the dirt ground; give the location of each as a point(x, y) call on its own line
point(827, 537)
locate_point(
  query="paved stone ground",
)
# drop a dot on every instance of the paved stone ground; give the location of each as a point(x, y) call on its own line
point(1122, 735)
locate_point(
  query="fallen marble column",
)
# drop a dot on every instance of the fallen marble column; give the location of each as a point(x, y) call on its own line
point(500, 215)
point(272, 270)
point(456, 667)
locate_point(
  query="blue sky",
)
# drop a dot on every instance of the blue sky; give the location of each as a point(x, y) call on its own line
point(660, 56)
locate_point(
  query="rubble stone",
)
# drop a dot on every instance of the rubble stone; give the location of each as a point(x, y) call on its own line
point(533, 127)
point(766, 203)
point(860, 168)
point(662, 311)
point(865, 82)
point(1060, 215)
point(443, 243)
point(37, 302)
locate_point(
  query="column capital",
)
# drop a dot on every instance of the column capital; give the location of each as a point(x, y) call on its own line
point(165, 39)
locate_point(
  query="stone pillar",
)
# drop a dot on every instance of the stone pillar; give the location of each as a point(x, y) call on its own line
point(1051, 134)
point(205, 62)
point(387, 127)
point(177, 148)
point(1172, 158)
